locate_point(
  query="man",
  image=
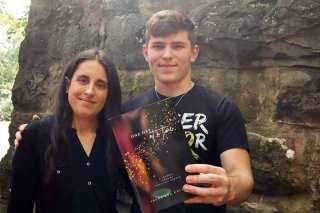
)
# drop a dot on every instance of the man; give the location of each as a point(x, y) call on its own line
point(212, 123)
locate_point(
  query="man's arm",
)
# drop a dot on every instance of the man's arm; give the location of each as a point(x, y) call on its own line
point(230, 184)
point(237, 164)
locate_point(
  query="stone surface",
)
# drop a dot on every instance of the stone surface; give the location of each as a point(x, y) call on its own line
point(265, 55)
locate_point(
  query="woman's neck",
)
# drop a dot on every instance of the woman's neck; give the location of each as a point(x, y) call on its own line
point(85, 125)
point(86, 131)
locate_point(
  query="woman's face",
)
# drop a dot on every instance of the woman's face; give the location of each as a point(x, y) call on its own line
point(88, 90)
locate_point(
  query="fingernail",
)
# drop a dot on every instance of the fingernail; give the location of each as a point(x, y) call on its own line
point(185, 188)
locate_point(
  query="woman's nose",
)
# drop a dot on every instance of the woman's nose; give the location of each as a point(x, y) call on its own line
point(89, 89)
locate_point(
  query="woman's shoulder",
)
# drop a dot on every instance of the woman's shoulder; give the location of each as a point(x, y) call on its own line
point(41, 123)
point(36, 136)
point(42, 126)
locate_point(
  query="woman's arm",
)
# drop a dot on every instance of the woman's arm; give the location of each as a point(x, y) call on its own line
point(25, 174)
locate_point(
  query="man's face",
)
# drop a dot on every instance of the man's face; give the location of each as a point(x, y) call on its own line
point(170, 57)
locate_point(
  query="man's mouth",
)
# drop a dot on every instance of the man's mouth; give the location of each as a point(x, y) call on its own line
point(167, 65)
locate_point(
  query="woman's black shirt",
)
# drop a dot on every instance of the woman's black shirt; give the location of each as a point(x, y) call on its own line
point(81, 184)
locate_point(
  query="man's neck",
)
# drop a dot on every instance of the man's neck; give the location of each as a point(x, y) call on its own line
point(172, 90)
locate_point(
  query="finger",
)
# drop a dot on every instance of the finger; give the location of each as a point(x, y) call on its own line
point(35, 117)
point(204, 191)
point(210, 179)
point(204, 168)
point(16, 144)
point(17, 139)
point(197, 199)
point(18, 136)
point(217, 201)
point(21, 128)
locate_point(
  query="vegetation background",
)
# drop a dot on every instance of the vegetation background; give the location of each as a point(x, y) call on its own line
point(12, 32)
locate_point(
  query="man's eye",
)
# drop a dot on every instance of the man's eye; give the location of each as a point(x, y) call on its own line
point(158, 47)
point(102, 85)
point(178, 47)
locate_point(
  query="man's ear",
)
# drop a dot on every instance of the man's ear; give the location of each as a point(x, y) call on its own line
point(194, 53)
point(145, 52)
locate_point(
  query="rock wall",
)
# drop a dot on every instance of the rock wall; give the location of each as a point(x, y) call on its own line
point(263, 54)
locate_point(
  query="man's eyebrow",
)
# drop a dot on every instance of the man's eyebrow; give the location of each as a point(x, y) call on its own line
point(178, 42)
point(174, 42)
point(157, 42)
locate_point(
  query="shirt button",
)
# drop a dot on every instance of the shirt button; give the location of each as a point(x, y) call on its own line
point(89, 183)
point(88, 163)
point(58, 171)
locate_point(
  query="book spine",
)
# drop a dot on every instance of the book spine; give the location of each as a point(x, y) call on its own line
point(122, 149)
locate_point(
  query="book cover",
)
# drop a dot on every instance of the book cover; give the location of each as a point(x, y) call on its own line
point(155, 151)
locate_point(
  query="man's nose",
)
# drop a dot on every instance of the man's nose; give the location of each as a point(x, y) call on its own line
point(167, 53)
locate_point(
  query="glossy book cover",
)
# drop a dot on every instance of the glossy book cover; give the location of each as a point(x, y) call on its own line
point(155, 151)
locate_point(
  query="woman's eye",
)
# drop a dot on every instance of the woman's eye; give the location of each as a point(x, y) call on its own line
point(101, 85)
point(83, 80)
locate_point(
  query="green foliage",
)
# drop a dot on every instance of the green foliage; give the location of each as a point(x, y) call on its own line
point(17, 27)
point(12, 31)
point(8, 70)
point(14, 27)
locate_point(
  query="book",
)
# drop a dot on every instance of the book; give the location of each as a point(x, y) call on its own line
point(155, 151)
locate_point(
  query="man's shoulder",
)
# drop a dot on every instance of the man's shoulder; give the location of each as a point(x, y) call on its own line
point(208, 93)
point(214, 98)
point(135, 102)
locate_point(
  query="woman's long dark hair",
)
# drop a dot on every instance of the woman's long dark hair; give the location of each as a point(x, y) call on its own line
point(59, 149)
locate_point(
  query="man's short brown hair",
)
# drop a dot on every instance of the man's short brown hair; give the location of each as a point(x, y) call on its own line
point(166, 22)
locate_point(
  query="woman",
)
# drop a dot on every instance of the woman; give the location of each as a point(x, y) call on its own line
point(68, 162)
